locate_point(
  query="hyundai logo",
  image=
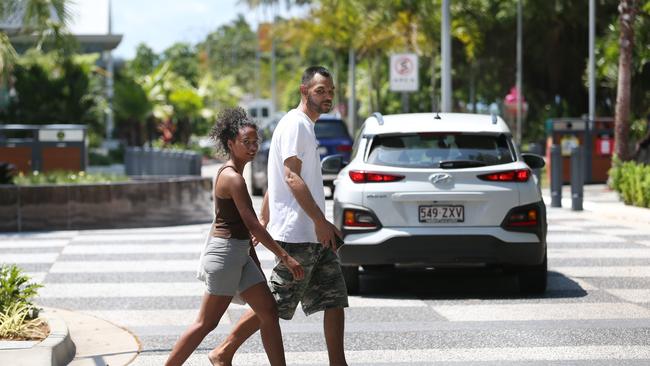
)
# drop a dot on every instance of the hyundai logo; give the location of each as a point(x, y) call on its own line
point(440, 178)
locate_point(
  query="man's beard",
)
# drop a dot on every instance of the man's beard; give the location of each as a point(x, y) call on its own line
point(311, 104)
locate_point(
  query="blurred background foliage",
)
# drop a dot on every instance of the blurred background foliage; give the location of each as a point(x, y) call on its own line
point(170, 98)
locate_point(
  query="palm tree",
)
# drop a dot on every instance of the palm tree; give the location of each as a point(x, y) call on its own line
point(38, 17)
point(628, 10)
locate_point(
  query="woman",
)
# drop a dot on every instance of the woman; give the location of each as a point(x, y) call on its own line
point(226, 266)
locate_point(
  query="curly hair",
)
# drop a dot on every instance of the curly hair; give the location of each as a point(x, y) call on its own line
point(229, 122)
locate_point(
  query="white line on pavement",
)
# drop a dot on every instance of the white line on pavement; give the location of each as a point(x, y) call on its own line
point(387, 357)
point(524, 312)
point(604, 271)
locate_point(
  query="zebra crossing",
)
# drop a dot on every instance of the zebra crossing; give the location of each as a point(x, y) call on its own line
point(596, 310)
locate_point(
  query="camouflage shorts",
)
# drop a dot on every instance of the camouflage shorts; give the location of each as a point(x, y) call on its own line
point(322, 287)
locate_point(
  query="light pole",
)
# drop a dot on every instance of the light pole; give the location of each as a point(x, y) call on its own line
point(519, 72)
point(109, 143)
point(592, 90)
point(445, 44)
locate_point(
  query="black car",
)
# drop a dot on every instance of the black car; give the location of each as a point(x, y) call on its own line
point(333, 138)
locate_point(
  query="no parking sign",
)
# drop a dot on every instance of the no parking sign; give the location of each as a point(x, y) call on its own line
point(404, 72)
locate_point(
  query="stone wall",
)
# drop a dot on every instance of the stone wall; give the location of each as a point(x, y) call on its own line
point(138, 203)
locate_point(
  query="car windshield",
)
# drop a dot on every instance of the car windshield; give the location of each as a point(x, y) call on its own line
point(330, 129)
point(429, 150)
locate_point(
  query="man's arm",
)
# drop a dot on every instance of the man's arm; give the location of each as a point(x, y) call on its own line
point(325, 231)
point(265, 214)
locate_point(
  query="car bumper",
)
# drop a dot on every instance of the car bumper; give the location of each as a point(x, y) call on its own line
point(421, 249)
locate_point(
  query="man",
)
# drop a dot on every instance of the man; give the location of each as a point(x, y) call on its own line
point(294, 209)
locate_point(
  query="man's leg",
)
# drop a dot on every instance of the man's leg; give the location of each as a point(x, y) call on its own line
point(334, 326)
point(247, 325)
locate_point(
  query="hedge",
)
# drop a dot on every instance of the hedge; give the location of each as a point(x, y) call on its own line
point(632, 181)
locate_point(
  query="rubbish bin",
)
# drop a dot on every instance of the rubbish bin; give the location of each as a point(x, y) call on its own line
point(598, 141)
point(44, 147)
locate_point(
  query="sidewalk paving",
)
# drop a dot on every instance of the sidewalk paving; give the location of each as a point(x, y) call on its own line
point(601, 202)
point(98, 342)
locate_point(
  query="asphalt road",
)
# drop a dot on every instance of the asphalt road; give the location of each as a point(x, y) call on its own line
point(596, 311)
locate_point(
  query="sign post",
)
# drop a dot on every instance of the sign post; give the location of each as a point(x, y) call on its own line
point(404, 76)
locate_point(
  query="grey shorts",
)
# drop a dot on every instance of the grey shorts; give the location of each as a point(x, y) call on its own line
point(229, 269)
point(323, 286)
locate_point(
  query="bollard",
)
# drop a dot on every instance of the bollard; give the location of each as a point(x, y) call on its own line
point(128, 161)
point(556, 176)
point(577, 178)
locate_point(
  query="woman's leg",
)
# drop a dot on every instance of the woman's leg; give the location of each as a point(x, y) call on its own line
point(212, 308)
point(263, 304)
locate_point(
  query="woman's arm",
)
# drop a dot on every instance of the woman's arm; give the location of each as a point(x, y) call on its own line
point(236, 187)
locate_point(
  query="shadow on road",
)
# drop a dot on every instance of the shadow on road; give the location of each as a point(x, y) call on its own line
point(457, 284)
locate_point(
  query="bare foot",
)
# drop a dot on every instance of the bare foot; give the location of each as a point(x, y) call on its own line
point(217, 360)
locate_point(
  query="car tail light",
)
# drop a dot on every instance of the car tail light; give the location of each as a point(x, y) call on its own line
point(525, 217)
point(360, 176)
point(358, 219)
point(519, 175)
point(344, 148)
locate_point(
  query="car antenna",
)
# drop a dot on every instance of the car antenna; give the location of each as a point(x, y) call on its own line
point(437, 116)
point(494, 118)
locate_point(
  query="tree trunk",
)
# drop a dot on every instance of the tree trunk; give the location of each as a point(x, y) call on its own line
point(627, 9)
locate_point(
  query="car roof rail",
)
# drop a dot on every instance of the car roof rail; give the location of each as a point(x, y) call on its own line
point(379, 118)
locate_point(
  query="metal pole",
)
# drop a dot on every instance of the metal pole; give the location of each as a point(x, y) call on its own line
point(577, 178)
point(273, 81)
point(445, 43)
point(589, 126)
point(109, 82)
point(519, 66)
point(273, 92)
point(405, 102)
point(352, 115)
point(556, 176)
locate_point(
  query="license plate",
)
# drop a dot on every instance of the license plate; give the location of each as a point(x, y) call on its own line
point(441, 214)
point(322, 150)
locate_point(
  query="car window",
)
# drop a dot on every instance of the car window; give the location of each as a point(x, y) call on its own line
point(426, 150)
point(330, 129)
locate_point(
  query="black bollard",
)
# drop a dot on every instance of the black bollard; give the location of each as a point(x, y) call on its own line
point(556, 176)
point(577, 178)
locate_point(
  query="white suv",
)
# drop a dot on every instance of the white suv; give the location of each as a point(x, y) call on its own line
point(439, 190)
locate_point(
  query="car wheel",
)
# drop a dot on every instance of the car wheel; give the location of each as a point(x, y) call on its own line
point(351, 277)
point(532, 280)
point(255, 190)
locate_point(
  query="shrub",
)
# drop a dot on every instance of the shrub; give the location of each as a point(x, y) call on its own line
point(66, 177)
point(16, 289)
point(15, 323)
point(632, 181)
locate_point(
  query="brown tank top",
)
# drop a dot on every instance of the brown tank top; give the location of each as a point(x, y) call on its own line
point(228, 223)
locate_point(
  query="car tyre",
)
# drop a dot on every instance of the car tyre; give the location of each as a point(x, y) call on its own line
point(255, 190)
point(533, 279)
point(351, 277)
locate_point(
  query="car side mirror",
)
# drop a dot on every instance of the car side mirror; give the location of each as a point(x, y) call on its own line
point(332, 164)
point(534, 161)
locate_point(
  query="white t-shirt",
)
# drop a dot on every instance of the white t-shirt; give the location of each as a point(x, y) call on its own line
point(293, 136)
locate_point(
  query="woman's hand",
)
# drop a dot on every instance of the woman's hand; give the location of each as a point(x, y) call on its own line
point(294, 267)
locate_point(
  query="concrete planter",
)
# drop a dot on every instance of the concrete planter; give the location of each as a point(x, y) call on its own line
point(142, 202)
point(55, 350)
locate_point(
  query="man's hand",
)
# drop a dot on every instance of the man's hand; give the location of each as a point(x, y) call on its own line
point(327, 234)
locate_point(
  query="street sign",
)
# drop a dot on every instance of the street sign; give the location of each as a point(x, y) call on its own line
point(404, 72)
